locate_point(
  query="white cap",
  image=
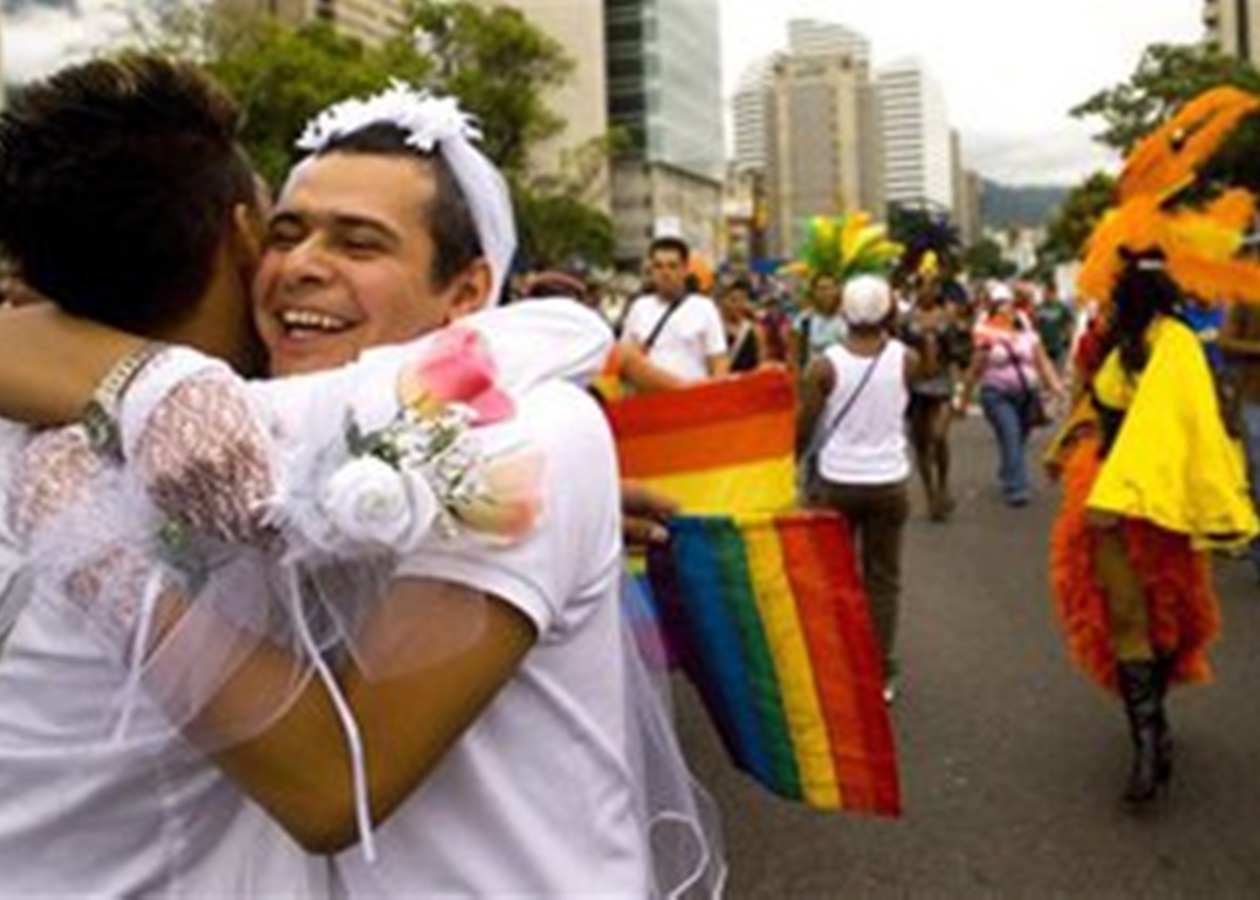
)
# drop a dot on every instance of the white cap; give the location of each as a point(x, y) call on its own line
point(1000, 293)
point(867, 300)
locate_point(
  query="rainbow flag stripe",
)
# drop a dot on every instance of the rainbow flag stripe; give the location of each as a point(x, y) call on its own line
point(719, 447)
point(768, 614)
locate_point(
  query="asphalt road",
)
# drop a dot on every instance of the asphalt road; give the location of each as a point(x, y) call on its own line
point(1011, 761)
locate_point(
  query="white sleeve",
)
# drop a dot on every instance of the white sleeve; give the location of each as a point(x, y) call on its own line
point(714, 333)
point(577, 541)
point(199, 446)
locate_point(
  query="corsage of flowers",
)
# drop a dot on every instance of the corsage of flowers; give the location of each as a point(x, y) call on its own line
point(425, 468)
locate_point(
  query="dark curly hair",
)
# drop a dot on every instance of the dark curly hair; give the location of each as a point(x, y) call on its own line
point(1142, 291)
point(117, 180)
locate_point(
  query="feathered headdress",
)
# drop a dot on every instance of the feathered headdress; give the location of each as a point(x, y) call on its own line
point(1201, 244)
point(845, 246)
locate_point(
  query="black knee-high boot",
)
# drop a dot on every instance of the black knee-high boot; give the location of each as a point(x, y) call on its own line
point(1141, 688)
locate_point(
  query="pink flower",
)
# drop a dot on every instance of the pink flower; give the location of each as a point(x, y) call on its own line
point(455, 367)
point(511, 500)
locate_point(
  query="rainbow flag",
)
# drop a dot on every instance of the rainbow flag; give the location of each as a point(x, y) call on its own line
point(725, 446)
point(769, 616)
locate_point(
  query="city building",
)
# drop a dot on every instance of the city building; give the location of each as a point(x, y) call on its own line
point(579, 152)
point(1234, 27)
point(918, 149)
point(810, 37)
point(749, 109)
point(371, 21)
point(822, 158)
point(664, 97)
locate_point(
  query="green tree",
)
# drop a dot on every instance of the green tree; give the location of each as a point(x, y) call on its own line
point(1166, 77)
point(557, 230)
point(984, 260)
point(492, 58)
point(1075, 218)
point(282, 76)
point(500, 66)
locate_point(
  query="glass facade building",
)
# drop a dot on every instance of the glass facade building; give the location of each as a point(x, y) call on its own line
point(664, 81)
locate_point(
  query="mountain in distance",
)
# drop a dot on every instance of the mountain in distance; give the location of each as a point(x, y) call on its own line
point(17, 7)
point(1026, 206)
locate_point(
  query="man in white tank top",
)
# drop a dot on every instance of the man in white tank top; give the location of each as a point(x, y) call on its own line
point(852, 414)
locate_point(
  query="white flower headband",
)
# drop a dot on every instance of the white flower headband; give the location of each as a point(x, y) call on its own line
point(425, 118)
point(433, 124)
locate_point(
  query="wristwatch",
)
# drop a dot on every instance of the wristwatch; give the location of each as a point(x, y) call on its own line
point(100, 416)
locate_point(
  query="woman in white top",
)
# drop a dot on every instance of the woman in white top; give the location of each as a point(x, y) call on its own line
point(853, 416)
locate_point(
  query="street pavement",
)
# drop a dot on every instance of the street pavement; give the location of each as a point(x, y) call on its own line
point(1011, 761)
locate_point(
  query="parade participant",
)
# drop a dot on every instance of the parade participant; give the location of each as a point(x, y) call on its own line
point(678, 330)
point(1055, 323)
point(1240, 345)
point(743, 331)
point(148, 176)
point(337, 279)
point(1010, 366)
point(852, 409)
point(929, 327)
point(821, 324)
point(1152, 481)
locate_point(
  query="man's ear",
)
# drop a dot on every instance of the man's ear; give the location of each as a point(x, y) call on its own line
point(472, 289)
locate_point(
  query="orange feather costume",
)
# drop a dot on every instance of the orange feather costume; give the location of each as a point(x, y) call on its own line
point(1201, 249)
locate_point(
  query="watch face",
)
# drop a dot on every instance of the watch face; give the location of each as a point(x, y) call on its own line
point(101, 431)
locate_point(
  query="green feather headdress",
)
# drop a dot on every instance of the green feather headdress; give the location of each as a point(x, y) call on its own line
point(845, 246)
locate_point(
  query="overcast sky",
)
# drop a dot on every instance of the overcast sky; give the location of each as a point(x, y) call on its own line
point(1010, 69)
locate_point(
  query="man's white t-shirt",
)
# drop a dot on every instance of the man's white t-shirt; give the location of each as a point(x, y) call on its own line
point(693, 334)
point(536, 798)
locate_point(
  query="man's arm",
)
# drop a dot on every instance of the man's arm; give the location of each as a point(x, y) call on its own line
point(643, 374)
point(299, 767)
point(40, 340)
point(819, 381)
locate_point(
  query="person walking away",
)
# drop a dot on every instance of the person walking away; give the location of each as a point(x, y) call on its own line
point(1008, 364)
point(853, 406)
point(930, 328)
point(1055, 323)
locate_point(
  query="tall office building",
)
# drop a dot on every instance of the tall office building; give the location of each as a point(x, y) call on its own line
point(582, 100)
point(820, 159)
point(918, 151)
point(823, 152)
point(371, 21)
point(1234, 27)
point(750, 106)
point(664, 94)
point(810, 37)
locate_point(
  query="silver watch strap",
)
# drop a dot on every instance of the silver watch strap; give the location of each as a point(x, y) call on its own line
point(100, 417)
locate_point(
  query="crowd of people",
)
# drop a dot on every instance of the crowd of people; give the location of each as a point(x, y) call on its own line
point(344, 632)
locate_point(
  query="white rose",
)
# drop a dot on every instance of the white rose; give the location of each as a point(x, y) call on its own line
point(371, 503)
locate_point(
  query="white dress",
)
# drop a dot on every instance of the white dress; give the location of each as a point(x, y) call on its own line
point(101, 792)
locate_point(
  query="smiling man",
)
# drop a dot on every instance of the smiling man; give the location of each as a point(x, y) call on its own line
point(387, 231)
point(367, 245)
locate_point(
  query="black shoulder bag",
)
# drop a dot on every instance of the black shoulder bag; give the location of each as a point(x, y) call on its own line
point(660, 323)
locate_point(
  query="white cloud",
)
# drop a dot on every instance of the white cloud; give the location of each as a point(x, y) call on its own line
point(1010, 70)
point(40, 40)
